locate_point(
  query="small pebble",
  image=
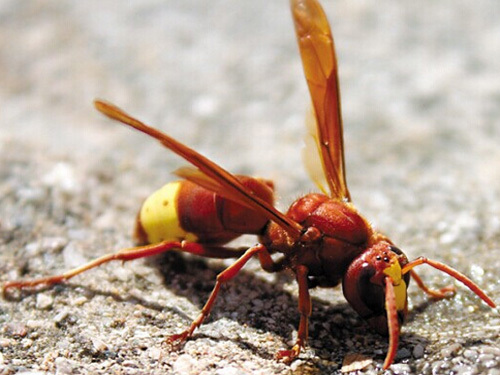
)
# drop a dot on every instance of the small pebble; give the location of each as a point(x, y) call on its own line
point(491, 364)
point(60, 317)
point(338, 319)
point(155, 353)
point(32, 249)
point(231, 370)
point(438, 367)
point(29, 195)
point(451, 350)
point(400, 368)
point(485, 357)
point(140, 334)
point(26, 343)
point(470, 354)
point(78, 234)
point(418, 351)
point(64, 366)
point(44, 301)
point(464, 370)
point(106, 221)
point(63, 344)
point(129, 363)
point(16, 329)
point(72, 256)
point(62, 176)
point(296, 364)
point(491, 350)
point(46, 244)
point(184, 364)
point(35, 323)
point(98, 344)
point(79, 301)
point(488, 360)
point(257, 303)
point(403, 353)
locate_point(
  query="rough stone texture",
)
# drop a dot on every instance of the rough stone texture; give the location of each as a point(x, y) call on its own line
point(420, 87)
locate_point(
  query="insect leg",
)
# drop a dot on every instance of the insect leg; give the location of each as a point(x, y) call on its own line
point(305, 307)
point(268, 264)
point(222, 278)
point(437, 294)
point(123, 255)
point(453, 273)
point(392, 322)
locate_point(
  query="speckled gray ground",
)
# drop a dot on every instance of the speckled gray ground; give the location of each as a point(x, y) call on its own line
point(421, 98)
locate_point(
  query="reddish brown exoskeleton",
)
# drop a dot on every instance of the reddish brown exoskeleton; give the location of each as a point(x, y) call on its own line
point(322, 237)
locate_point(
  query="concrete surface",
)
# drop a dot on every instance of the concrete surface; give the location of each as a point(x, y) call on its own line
point(420, 86)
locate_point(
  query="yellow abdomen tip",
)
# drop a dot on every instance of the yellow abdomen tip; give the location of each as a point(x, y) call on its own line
point(160, 218)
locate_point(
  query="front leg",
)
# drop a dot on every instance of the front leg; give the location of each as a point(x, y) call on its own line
point(305, 308)
point(450, 271)
point(437, 294)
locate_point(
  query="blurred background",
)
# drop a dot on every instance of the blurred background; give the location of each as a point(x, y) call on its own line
point(421, 102)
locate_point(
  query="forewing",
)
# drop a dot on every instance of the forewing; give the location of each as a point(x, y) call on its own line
point(311, 153)
point(317, 51)
point(218, 177)
point(201, 179)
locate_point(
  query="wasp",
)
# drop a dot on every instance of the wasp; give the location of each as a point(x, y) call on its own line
point(322, 238)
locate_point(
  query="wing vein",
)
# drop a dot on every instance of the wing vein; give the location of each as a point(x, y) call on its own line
point(213, 171)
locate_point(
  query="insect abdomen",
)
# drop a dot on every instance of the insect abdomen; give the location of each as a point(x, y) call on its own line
point(182, 210)
point(158, 218)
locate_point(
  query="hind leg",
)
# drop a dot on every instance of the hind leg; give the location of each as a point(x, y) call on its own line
point(123, 255)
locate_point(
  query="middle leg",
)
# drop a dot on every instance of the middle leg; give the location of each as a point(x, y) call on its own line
point(223, 277)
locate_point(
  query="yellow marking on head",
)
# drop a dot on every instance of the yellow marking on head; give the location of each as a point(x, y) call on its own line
point(394, 272)
point(159, 216)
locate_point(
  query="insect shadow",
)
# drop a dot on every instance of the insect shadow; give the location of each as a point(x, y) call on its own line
point(333, 322)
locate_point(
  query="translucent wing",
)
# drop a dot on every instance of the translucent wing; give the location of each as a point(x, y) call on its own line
point(320, 68)
point(311, 153)
point(212, 174)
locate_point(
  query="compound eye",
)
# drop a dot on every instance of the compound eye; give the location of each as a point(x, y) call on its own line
point(402, 259)
point(371, 294)
point(396, 250)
